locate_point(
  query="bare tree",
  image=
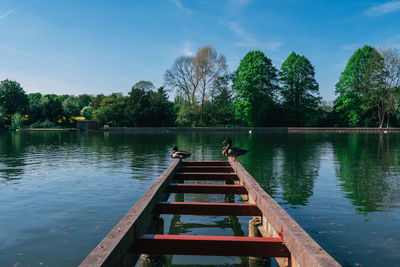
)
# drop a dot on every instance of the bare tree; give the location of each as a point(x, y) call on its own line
point(182, 77)
point(192, 77)
point(208, 67)
point(389, 96)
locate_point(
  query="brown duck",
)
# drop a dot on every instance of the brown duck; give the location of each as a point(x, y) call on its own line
point(178, 154)
point(230, 151)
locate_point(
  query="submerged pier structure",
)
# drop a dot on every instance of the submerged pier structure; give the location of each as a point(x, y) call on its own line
point(272, 232)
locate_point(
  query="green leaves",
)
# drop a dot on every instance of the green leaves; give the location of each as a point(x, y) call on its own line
point(255, 84)
point(358, 86)
point(12, 97)
point(300, 95)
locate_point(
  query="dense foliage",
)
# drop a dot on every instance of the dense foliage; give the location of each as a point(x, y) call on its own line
point(299, 90)
point(255, 85)
point(256, 94)
point(355, 84)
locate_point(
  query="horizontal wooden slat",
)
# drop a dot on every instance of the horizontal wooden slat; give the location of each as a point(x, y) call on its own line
point(303, 248)
point(204, 208)
point(205, 163)
point(205, 176)
point(210, 245)
point(112, 250)
point(206, 189)
point(220, 169)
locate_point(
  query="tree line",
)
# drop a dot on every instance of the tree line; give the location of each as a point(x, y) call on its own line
point(206, 94)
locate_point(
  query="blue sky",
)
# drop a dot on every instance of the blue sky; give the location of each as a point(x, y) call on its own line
point(76, 46)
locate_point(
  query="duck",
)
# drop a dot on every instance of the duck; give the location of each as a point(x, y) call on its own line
point(230, 151)
point(179, 154)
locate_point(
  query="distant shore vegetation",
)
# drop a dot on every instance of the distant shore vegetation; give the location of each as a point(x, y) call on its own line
point(206, 94)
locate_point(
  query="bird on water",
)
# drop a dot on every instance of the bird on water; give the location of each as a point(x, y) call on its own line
point(231, 151)
point(179, 154)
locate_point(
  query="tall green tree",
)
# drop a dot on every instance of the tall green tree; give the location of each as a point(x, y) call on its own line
point(255, 85)
point(161, 109)
point(52, 107)
point(356, 82)
point(221, 110)
point(71, 107)
point(299, 90)
point(139, 105)
point(2, 117)
point(112, 110)
point(35, 109)
point(85, 100)
point(12, 97)
point(96, 101)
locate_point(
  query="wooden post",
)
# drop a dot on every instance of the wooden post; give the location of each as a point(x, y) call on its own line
point(228, 197)
point(267, 230)
point(254, 232)
point(149, 260)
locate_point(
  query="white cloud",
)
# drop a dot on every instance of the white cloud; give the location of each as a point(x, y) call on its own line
point(178, 3)
point(270, 46)
point(383, 9)
point(12, 50)
point(9, 12)
point(187, 49)
point(247, 40)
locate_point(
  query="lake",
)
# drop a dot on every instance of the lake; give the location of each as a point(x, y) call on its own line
point(62, 192)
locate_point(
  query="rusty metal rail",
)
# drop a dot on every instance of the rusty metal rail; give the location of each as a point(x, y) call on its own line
point(273, 233)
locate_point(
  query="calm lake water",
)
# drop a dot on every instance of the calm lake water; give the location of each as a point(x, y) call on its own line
point(62, 192)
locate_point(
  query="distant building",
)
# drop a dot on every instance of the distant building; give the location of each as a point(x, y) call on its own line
point(87, 125)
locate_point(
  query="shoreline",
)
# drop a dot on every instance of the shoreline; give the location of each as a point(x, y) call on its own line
point(229, 129)
point(259, 129)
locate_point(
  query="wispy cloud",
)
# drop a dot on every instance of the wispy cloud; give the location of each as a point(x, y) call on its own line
point(179, 4)
point(9, 12)
point(233, 26)
point(351, 46)
point(270, 46)
point(247, 40)
point(383, 9)
point(12, 50)
point(187, 49)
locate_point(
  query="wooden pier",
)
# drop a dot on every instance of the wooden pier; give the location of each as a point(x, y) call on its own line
point(272, 232)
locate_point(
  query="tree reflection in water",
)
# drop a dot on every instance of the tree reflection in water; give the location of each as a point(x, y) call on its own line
point(368, 167)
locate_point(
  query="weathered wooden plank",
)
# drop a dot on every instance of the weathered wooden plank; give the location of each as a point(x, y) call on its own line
point(302, 247)
point(221, 169)
point(112, 250)
point(205, 208)
point(205, 163)
point(206, 189)
point(210, 245)
point(203, 176)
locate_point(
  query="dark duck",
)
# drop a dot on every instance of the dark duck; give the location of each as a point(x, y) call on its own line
point(231, 151)
point(179, 154)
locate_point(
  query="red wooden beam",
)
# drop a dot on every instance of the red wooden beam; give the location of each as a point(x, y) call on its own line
point(210, 245)
point(220, 169)
point(205, 163)
point(205, 208)
point(205, 176)
point(206, 189)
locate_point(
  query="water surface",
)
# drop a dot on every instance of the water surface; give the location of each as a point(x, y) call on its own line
point(62, 192)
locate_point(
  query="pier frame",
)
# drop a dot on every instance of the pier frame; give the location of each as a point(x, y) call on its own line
point(272, 232)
